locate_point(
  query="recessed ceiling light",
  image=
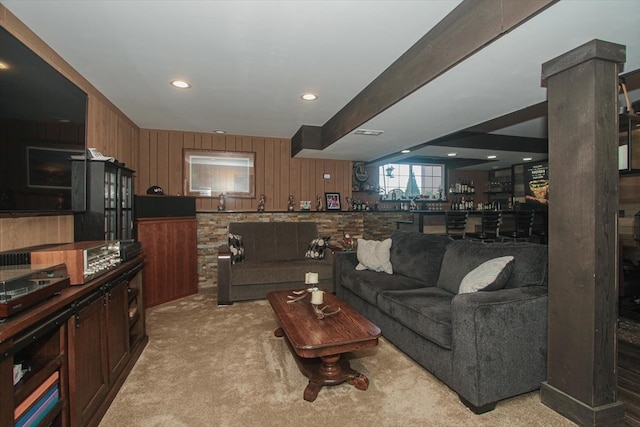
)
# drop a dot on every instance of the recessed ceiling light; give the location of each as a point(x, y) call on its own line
point(308, 96)
point(452, 154)
point(180, 84)
point(492, 157)
point(368, 132)
point(4, 66)
point(219, 131)
point(526, 159)
point(405, 151)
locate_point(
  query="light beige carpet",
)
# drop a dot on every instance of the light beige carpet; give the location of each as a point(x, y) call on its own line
point(222, 366)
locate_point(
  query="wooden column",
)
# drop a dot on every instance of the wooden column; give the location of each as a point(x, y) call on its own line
point(583, 174)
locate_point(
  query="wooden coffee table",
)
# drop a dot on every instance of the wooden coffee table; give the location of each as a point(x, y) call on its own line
point(317, 344)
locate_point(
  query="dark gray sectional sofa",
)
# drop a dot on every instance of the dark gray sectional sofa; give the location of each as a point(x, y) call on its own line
point(486, 346)
point(274, 259)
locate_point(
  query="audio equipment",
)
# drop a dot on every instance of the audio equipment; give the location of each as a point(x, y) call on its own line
point(22, 286)
point(129, 249)
point(85, 260)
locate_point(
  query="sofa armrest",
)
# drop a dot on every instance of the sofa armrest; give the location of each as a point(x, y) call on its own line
point(342, 261)
point(224, 274)
point(499, 343)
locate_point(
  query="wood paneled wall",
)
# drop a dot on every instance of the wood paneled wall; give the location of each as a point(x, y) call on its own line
point(108, 130)
point(277, 174)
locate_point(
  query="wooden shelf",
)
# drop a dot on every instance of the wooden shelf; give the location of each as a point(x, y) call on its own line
point(133, 294)
point(40, 368)
point(133, 319)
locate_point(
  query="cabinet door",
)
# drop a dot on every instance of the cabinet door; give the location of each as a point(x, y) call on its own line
point(126, 205)
point(170, 245)
point(6, 378)
point(117, 329)
point(88, 370)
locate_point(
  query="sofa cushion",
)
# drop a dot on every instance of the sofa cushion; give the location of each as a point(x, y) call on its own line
point(374, 255)
point(368, 284)
point(418, 255)
point(317, 247)
point(462, 256)
point(489, 276)
point(275, 241)
point(236, 248)
point(252, 273)
point(426, 311)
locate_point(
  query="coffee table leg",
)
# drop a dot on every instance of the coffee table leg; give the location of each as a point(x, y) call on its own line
point(329, 367)
point(360, 382)
point(311, 392)
point(330, 371)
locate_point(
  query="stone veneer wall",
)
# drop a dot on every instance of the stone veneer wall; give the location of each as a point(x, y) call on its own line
point(213, 227)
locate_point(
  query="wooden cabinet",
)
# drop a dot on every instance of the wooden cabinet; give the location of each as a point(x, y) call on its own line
point(107, 189)
point(40, 352)
point(117, 312)
point(99, 346)
point(135, 310)
point(88, 371)
point(170, 246)
point(83, 342)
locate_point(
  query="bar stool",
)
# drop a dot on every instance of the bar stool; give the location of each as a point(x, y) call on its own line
point(523, 226)
point(491, 221)
point(456, 224)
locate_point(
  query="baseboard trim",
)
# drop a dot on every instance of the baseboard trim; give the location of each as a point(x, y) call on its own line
point(580, 413)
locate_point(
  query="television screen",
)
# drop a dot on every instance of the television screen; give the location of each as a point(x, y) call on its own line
point(42, 124)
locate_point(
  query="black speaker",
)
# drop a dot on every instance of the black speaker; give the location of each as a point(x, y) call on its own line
point(164, 206)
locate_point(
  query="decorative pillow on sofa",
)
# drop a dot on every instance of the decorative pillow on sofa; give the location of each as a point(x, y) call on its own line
point(374, 255)
point(489, 276)
point(317, 248)
point(236, 248)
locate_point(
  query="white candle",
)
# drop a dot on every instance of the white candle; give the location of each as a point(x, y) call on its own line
point(311, 278)
point(317, 297)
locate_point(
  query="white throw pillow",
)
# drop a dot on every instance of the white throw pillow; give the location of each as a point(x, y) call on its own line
point(489, 276)
point(374, 255)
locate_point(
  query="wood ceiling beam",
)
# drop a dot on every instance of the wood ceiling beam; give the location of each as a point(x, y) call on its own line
point(467, 29)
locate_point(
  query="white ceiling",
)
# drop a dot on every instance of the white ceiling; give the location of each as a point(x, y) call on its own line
point(249, 62)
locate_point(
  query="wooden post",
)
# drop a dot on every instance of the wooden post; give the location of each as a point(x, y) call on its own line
point(582, 92)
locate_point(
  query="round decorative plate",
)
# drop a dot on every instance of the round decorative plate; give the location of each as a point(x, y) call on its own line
point(361, 173)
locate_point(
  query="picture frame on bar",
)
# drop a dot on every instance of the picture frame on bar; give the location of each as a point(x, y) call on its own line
point(332, 201)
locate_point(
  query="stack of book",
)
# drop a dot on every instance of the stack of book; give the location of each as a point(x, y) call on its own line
point(38, 404)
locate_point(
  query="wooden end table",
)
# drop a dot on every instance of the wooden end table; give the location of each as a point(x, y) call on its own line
point(317, 344)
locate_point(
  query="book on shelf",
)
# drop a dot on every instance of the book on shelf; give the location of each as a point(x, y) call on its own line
point(40, 409)
point(39, 392)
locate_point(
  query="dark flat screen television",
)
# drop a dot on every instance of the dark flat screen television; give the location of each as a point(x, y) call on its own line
point(42, 124)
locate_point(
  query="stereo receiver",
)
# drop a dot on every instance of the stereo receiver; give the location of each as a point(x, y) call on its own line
point(85, 260)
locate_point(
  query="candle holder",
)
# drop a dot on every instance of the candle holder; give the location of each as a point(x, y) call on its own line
point(322, 313)
point(298, 295)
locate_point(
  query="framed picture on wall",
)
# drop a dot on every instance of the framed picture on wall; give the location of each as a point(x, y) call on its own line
point(49, 167)
point(333, 201)
point(211, 173)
